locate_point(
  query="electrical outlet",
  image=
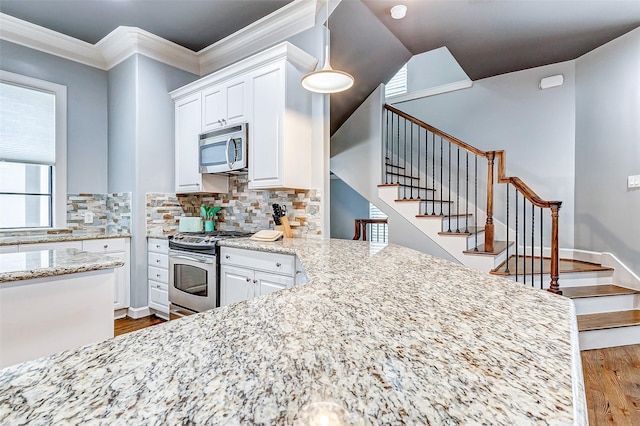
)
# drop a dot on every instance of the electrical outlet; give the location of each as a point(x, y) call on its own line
point(633, 181)
point(88, 217)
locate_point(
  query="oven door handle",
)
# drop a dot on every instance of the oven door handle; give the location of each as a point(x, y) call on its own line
point(193, 259)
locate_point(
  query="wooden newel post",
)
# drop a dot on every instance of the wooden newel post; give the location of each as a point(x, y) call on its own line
point(488, 226)
point(555, 252)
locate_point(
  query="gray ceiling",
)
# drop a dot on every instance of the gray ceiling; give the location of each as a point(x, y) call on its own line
point(487, 37)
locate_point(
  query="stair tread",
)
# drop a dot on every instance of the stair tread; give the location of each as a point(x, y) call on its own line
point(608, 320)
point(471, 230)
point(565, 266)
point(498, 247)
point(596, 290)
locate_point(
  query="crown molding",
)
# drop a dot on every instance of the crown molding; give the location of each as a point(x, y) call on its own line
point(285, 22)
point(45, 40)
point(285, 50)
point(123, 42)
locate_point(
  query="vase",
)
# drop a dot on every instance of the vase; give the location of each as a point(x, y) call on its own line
point(208, 225)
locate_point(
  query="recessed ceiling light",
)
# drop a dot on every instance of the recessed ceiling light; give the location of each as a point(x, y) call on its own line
point(398, 11)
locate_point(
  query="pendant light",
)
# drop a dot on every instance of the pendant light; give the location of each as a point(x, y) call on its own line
point(327, 80)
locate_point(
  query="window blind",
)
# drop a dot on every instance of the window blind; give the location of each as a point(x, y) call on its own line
point(398, 83)
point(27, 125)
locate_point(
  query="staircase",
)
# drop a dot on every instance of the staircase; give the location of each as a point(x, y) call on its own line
point(448, 190)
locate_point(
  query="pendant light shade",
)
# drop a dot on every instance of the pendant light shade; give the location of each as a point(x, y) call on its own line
point(327, 80)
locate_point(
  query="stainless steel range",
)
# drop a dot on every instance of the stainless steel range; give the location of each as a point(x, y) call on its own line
point(193, 271)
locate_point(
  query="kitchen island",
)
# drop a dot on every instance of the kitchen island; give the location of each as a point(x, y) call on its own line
point(386, 337)
point(52, 300)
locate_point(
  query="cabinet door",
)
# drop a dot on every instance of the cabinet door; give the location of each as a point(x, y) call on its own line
point(265, 156)
point(120, 290)
point(188, 128)
point(236, 284)
point(213, 108)
point(268, 283)
point(236, 100)
point(9, 249)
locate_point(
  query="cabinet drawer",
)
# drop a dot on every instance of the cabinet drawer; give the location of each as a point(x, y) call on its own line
point(105, 245)
point(158, 298)
point(158, 274)
point(158, 286)
point(157, 245)
point(158, 260)
point(259, 260)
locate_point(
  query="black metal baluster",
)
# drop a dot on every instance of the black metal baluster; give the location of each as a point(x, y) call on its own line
point(397, 160)
point(475, 184)
point(404, 173)
point(418, 176)
point(449, 187)
point(426, 168)
point(524, 239)
point(410, 170)
point(457, 192)
point(441, 173)
point(507, 268)
point(466, 197)
point(433, 172)
point(533, 245)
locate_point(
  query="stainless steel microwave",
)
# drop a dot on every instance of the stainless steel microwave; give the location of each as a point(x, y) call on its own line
point(224, 150)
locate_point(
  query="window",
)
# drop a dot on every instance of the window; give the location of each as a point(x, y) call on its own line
point(398, 84)
point(379, 232)
point(32, 153)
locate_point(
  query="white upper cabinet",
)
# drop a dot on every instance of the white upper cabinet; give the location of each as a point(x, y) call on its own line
point(225, 104)
point(280, 130)
point(187, 164)
point(263, 90)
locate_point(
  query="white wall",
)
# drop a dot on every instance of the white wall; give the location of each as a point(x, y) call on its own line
point(608, 149)
point(86, 111)
point(346, 206)
point(535, 127)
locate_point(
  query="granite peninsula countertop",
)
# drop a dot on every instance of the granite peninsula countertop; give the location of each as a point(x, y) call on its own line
point(391, 337)
point(53, 238)
point(49, 263)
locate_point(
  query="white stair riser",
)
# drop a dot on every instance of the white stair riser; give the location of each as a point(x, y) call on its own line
point(608, 338)
point(612, 303)
point(474, 240)
point(456, 223)
point(423, 194)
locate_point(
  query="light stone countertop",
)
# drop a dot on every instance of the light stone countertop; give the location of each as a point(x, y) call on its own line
point(54, 238)
point(388, 337)
point(49, 263)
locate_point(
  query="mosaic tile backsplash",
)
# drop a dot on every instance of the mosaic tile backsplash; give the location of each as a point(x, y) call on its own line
point(111, 213)
point(242, 209)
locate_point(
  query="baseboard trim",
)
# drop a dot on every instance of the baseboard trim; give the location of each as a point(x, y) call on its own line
point(136, 313)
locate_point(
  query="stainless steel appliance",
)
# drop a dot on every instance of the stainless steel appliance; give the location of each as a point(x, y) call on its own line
point(193, 271)
point(224, 150)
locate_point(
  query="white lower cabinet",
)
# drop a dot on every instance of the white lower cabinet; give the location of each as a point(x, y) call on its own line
point(245, 274)
point(119, 249)
point(158, 276)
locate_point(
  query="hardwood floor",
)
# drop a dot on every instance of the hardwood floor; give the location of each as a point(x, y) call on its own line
point(611, 378)
point(612, 385)
point(127, 325)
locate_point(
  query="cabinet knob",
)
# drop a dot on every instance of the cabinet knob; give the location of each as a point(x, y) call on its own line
point(227, 257)
point(278, 265)
point(255, 281)
point(157, 246)
point(157, 260)
point(158, 275)
point(106, 245)
point(248, 279)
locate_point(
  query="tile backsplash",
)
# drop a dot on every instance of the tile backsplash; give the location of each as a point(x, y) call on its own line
point(111, 213)
point(242, 209)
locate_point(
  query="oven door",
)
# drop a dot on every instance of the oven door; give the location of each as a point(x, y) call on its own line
point(192, 280)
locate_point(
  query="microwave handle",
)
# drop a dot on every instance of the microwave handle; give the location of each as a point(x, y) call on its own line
point(226, 152)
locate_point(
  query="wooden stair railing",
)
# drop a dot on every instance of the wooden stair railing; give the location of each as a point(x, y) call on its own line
point(361, 227)
point(413, 146)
